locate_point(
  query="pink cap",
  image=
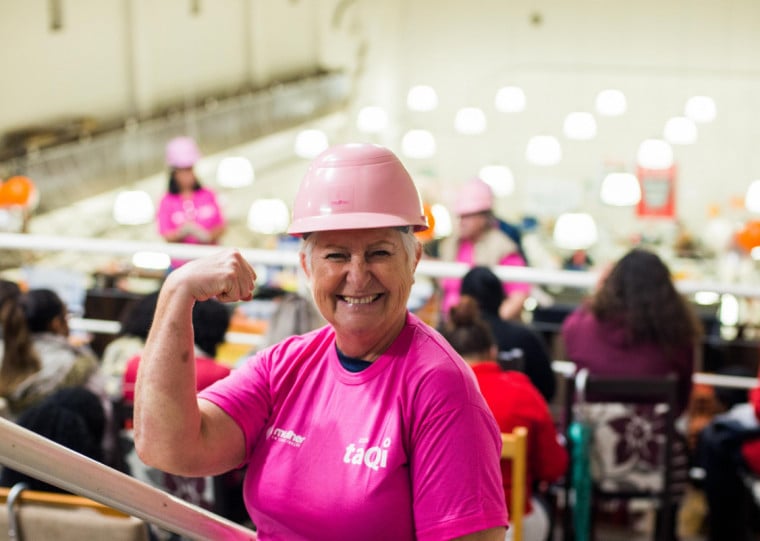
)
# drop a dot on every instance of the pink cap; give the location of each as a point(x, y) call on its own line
point(182, 152)
point(475, 196)
point(356, 186)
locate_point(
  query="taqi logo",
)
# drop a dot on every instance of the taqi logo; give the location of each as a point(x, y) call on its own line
point(374, 457)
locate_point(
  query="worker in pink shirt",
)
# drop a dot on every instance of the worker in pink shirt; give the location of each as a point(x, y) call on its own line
point(481, 241)
point(188, 212)
point(371, 427)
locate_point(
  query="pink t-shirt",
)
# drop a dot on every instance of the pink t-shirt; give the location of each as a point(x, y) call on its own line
point(202, 208)
point(466, 254)
point(405, 449)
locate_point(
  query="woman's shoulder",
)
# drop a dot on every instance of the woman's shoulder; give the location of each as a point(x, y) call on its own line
point(204, 193)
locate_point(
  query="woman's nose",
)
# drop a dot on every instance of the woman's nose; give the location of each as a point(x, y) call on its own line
point(358, 273)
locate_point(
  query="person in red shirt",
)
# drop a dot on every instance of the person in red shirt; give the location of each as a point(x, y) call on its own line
point(514, 401)
point(211, 319)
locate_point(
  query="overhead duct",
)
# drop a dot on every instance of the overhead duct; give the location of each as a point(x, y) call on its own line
point(105, 161)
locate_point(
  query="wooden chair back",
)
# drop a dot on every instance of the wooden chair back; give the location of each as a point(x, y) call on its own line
point(514, 447)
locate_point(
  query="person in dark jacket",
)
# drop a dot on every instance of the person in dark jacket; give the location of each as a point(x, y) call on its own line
point(72, 417)
point(484, 286)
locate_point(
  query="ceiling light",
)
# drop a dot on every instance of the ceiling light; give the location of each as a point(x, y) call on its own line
point(620, 189)
point(680, 130)
point(235, 172)
point(310, 143)
point(134, 207)
point(442, 217)
point(268, 216)
point(580, 126)
point(728, 313)
point(422, 98)
point(372, 119)
point(419, 144)
point(655, 154)
point(752, 197)
point(510, 99)
point(543, 150)
point(611, 102)
point(499, 178)
point(470, 121)
point(700, 109)
point(575, 231)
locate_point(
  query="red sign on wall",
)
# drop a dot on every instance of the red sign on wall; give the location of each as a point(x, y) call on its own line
point(658, 192)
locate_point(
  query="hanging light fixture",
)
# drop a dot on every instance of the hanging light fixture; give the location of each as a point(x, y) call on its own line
point(470, 121)
point(611, 102)
point(655, 154)
point(752, 197)
point(543, 150)
point(575, 231)
point(700, 109)
point(268, 216)
point(133, 207)
point(620, 190)
point(419, 144)
point(235, 172)
point(680, 130)
point(510, 99)
point(580, 126)
point(422, 98)
point(372, 119)
point(442, 217)
point(310, 143)
point(499, 178)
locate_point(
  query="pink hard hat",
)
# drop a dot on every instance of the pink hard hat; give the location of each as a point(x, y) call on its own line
point(356, 186)
point(475, 196)
point(182, 152)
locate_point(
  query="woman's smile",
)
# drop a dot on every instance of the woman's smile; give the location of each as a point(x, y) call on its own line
point(367, 299)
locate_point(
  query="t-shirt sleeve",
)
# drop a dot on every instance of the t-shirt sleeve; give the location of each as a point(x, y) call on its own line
point(455, 470)
point(245, 396)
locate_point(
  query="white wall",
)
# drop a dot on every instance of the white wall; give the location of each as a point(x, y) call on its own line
point(119, 57)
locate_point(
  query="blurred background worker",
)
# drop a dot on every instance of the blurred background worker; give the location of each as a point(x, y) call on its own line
point(481, 241)
point(188, 212)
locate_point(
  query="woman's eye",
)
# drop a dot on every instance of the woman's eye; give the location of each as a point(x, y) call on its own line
point(336, 256)
point(380, 253)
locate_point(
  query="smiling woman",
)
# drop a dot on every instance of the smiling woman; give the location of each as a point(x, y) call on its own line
point(374, 412)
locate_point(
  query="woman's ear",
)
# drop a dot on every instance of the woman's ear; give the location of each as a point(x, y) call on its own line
point(60, 325)
point(304, 266)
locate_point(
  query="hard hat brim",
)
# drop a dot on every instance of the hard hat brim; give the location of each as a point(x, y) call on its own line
point(352, 220)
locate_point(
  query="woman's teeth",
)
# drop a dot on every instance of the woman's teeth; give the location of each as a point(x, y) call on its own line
point(360, 300)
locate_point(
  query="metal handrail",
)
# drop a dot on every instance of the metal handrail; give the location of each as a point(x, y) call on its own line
point(427, 267)
point(36, 456)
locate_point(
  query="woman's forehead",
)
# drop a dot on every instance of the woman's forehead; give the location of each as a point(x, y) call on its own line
point(357, 237)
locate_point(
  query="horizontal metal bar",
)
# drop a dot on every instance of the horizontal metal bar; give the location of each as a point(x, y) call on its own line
point(29, 453)
point(719, 380)
point(427, 267)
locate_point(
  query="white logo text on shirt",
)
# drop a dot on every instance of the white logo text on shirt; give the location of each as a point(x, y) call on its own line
point(374, 457)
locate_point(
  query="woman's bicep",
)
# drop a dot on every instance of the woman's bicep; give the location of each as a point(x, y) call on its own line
point(222, 438)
